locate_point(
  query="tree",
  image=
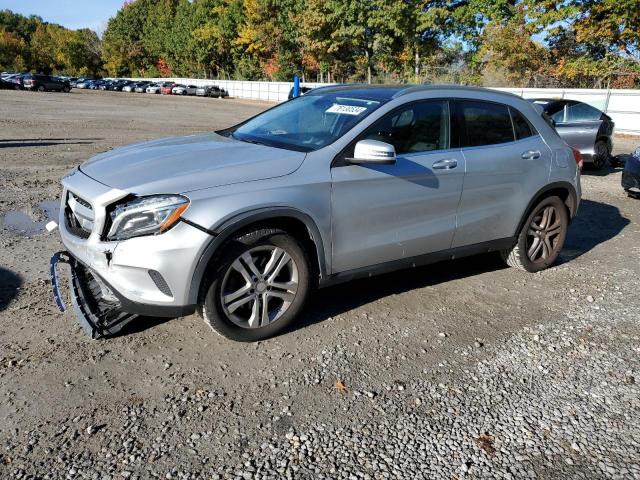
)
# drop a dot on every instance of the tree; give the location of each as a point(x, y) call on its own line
point(123, 50)
point(12, 50)
point(509, 55)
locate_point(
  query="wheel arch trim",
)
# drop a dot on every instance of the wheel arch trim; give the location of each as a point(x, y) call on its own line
point(571, 202)
point(225, 229)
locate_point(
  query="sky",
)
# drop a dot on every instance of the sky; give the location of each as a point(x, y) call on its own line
point(73, 14)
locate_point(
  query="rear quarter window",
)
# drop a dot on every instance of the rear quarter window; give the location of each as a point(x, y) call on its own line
point(581, 112)
point(521, 126)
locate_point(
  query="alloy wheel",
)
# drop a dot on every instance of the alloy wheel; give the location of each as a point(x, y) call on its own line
point(259, 286)
point(543, 234)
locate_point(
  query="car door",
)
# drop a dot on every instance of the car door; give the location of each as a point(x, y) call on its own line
point(578, 125)
point(382, 213)
point(507, 162)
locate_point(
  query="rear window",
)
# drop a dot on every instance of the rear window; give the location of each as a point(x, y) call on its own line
point(484, 123)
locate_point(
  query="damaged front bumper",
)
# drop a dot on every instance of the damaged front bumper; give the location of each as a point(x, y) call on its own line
point(101, 310)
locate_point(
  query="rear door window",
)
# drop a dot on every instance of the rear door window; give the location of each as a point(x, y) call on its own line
point(484, 123)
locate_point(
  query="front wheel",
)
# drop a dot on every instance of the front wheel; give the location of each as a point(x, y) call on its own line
point(541, 238)
point(257, 287)
point(41, 88)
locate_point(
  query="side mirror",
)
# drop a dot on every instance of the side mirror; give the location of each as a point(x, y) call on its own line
point(373, 151)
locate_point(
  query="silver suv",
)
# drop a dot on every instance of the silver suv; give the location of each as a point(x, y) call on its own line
point(344, 182)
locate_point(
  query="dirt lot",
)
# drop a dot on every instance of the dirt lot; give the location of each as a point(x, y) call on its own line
point(459, 369)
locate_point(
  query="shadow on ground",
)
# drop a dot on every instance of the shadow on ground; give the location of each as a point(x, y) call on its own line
point(332, 301)
point(10, 283)
point(45, 142)
point(595, 223)
point(615, 164)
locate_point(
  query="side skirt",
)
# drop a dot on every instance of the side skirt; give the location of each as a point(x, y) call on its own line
point(419, 261)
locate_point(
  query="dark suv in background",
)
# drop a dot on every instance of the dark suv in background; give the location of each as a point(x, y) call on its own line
point(43, 83)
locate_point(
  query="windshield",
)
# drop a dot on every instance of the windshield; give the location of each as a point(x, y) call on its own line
point(305, 123)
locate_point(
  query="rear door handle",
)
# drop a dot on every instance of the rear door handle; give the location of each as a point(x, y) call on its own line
point(530, 154)
point(445, 164)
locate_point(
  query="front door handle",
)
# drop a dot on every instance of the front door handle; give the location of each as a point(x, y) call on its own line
point(530, 155)
point(445, 164)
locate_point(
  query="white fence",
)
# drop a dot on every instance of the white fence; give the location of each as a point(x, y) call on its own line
point(267, 91)
point(621, 105)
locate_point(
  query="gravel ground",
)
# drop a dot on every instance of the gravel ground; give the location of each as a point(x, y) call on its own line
point(461, 369)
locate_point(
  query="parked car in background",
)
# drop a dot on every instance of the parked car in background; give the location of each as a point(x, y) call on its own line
point(154, 88)
point(141, 87)
point(211, 91)
point(82, 83)
point(43, 83)
point(341, 183)
point(95, 84)
point(184, 90)
point(16, 80)
point(129, 87)
point(120, 84)
point(167, 88)
point(5, 85)
point(631, 174)
point(583, 127)
point(105, 85)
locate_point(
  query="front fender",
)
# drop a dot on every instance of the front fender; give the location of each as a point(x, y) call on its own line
point(227, 227)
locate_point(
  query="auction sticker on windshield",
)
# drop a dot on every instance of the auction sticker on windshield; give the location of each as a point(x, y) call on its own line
point(346, 109)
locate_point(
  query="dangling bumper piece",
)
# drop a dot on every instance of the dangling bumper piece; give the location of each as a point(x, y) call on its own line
point(98, 309)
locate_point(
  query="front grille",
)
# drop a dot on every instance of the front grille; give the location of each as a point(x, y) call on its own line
point(79, 216)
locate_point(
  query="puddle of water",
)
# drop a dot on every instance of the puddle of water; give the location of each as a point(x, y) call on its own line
point(24, 221)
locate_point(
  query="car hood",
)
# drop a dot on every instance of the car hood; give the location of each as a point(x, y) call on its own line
point(184, 164)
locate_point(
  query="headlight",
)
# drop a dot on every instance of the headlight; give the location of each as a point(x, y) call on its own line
point(636, 153)
point(146, 216)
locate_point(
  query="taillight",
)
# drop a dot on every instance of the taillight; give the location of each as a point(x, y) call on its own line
point(578, 158)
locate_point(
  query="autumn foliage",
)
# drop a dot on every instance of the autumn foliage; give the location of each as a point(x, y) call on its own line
point(579, 43)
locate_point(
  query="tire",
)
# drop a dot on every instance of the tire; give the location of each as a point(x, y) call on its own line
point(41, 88)
point(530, 256)
point(66, 89)
point(601, 155)
point(233, 298)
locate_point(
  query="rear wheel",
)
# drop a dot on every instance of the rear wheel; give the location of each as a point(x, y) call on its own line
point(41, 88)
point(601, 154)
point(257, 287)
point(541, 238)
